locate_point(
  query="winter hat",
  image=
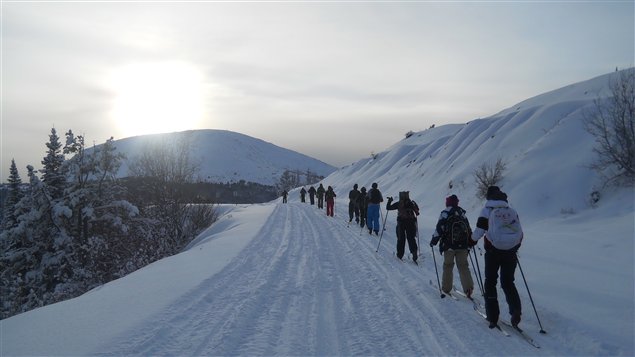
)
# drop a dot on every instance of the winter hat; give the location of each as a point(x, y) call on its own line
point(374, 185)
point(355, 186)
point(404, 195)
point(451, 201)
point(492, 191)
point(363, 189)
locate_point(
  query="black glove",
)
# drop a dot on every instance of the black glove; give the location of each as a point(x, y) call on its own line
point(434, 241)
point(389, 200)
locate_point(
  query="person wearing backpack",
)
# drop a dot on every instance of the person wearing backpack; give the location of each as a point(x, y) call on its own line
point(353, 209)
point(330, 201)
point(320, 196)
point(302, 194)
point(407, 212)
point(362, 204)
point(372, 214)
point(500, 225)
point(454, 234)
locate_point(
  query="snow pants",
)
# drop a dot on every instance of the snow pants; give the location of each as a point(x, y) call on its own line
point(312, 199)
point(373, 217)
point(407, 230)
point(353, 211)
point(459, 256)
point(505, 261)
point(330, 207)
point(321, 202)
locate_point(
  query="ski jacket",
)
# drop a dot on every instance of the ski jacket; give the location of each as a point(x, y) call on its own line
point(330, 196)
point(320, 191)
point(482, 224)
point(353, 195)
point(312, 191)
point(407, 211)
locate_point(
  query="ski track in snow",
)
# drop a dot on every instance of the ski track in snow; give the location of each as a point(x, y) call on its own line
point(310, 285)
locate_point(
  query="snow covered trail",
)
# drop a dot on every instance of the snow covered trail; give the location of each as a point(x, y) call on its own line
point(310, 285)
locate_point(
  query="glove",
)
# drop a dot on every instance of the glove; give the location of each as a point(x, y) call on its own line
point(471, 243)
point(434, 241)
point(389, 200)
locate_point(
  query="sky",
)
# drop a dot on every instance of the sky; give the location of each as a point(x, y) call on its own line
point(333, 80)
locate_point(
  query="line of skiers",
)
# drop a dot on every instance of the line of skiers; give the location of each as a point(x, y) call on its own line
point(498, 223)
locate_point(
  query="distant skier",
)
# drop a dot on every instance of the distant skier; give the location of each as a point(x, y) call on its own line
point(362, 204)
point(284, 196)
point(302, 195)
point(407, 212)
point(320, 196)
point(454, 232)
point(353, 208)
point(374, 200)
point(503, 235)
point(330, 201)
point(312, 195)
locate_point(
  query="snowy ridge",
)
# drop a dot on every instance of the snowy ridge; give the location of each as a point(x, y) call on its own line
point(225, 156)
point(277, 279)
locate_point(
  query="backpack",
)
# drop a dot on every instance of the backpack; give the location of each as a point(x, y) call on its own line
point(504, 230)
point(456, 230)
point(407, 211)
point(374, 196)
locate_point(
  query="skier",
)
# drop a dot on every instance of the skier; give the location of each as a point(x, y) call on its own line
point(503, 236)
point(353, 209)
point(454, 232)
point(312, 195)
point(330, 201)
point(372, 214)
point(407, 212)
point(302, 194)
point(362, 204)
point(284, 196)
point(320, 196)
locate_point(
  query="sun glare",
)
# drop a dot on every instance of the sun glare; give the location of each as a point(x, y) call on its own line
point(157, 98)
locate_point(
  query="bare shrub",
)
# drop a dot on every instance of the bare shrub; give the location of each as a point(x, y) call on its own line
point(488, 174)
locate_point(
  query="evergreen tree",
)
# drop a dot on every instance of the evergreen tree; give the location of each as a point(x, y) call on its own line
point(13, 197)
point(52, 174)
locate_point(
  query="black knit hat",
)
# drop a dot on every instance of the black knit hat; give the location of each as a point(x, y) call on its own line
point(492, 191)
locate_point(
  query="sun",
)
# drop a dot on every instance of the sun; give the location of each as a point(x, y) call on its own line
point(156, 98)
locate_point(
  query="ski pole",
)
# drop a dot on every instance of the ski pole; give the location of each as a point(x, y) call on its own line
point(437, 271)
point(382, 231)
point(530, 298)
point(477, 274)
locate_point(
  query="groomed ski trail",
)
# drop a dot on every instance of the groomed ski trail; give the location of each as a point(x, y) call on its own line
point(309, 285)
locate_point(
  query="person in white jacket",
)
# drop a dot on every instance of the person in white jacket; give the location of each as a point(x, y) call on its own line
point(500, 225)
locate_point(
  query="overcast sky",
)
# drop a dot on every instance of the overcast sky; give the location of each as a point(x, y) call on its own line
point(333, 80)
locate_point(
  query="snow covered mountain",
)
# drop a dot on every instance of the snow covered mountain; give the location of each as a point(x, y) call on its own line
point(275, 279)
point(225, 156)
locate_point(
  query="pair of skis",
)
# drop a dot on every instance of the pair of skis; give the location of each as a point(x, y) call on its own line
point(517, 330)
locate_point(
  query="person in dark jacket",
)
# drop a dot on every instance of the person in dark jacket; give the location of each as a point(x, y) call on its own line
point(302, 195)
point(373, 212)
point(500, 255)
point(353, 209)
point(362, 204)
point(284, 196)
point(455, 243)
point(330, 201)
point(407, 212)
point(320, 196)
point(312, 195)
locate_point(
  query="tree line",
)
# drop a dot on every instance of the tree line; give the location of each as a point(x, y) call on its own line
point(73, 226)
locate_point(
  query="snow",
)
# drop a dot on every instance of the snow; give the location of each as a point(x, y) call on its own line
point(285, 279)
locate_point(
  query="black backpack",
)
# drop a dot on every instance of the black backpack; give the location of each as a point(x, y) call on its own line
point(407, 211)
point(374, 196)
point(456, 230)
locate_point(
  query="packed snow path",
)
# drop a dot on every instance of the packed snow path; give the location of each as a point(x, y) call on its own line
point(309, 284)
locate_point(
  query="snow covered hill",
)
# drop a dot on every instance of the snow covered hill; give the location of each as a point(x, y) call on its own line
point(225, 156)
point(275, 279)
